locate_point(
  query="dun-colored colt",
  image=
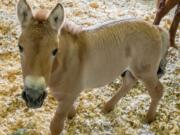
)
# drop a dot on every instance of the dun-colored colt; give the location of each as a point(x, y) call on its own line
point(69, 59)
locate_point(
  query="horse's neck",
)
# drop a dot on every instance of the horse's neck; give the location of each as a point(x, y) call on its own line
point(71, 27)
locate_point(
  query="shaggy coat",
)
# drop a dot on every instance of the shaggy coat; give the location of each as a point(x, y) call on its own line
point(69, 59)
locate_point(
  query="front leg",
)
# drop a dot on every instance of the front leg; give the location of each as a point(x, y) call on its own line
point(57, 124)
point(72, 112)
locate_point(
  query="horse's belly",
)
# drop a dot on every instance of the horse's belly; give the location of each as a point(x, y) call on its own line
point(92, 80)
point(101, 71)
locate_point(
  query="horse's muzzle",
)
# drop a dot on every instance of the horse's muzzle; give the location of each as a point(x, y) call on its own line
point(34, 98)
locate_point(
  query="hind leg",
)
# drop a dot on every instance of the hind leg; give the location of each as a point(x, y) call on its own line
point(128, 82)
point(174, 26)
point(155, 90)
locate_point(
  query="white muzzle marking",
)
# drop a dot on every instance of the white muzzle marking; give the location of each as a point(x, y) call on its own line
point(35, 82)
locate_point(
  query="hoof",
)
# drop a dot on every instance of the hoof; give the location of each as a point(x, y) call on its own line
point(108, 108)
point(71, 114)
point(149, 119)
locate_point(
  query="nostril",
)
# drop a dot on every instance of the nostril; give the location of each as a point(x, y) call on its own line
point(40, 98)
point(24, 95)
point(43, 96)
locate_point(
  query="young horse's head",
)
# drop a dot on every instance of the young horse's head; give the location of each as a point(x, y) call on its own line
point(38, 46)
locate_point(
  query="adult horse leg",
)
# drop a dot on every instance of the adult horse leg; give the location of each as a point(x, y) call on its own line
point(128, 82)
point(163, 8)
point(174, 26)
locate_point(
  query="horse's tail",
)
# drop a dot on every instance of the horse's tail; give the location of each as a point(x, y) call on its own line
point(165, 40)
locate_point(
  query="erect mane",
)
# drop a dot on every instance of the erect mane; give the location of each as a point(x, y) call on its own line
point(70, 27)
point(41, 15)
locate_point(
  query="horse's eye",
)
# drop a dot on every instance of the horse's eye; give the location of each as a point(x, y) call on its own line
point(20, 48)
point(54, 52)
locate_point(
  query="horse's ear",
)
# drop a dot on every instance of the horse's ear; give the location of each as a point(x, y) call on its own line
point(24, 13)
point(56, 17)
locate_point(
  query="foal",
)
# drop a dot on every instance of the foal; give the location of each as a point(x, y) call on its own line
point(69, 59)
